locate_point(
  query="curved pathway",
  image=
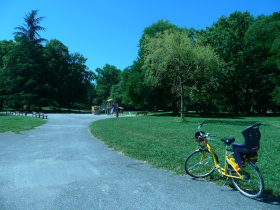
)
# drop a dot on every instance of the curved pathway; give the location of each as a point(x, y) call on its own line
point(59, 165)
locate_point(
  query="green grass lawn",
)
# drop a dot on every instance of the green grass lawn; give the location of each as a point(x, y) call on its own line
point(165, 142)
point(18, 123)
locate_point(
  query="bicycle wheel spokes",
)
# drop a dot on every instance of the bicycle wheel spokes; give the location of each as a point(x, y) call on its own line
point(252, 185)
point(199, 164)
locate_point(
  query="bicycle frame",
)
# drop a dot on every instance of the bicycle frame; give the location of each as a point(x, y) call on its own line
point(228, 160)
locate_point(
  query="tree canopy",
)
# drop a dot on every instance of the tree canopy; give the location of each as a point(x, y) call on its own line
point(31, 27)
point(32, 74)
point(232, 65)
point(174, 56)
point(106, 77)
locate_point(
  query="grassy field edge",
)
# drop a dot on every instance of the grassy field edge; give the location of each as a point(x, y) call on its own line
point(18, 123)
point(164, 142)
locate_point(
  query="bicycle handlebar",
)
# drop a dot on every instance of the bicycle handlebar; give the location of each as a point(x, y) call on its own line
point(202, 123)
point(205, 135)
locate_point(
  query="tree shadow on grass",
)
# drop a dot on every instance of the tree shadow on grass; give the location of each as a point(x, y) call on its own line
point(229, 122)
point(199, 115)
point(219, 118)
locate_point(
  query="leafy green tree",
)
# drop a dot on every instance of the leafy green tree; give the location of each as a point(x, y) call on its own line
point(138, 91)
point(68, 74)
point(263, 39)
point(5, 47)
point(174, 55)
point(23, 68)
point(91, 95)
point(58, 69)
point(79, 79)
point(117, 93)
point(151, 31)
point(24, 65)
point(133, 84)
point(106, 77)
point(226, 36)
point(30, 28)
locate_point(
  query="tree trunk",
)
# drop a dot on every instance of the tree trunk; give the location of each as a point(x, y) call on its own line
point(259, 111)
point(236, 108)
point(197, 108)
point(175, 108)
point(247, 105)
point(1, 105)
point(264, 110)
point(28, 106)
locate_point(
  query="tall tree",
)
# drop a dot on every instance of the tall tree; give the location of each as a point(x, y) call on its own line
point(263, 39)
point(31, 27)
point(106, 77)
point(226, 36)
point(175, 56)
point(24, 68)
point(158, 27)
point(5, 48)
point(79, 79)
point(57, 55)
point(137, 91)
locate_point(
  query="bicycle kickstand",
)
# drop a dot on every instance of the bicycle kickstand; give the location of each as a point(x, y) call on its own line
point(225, 182)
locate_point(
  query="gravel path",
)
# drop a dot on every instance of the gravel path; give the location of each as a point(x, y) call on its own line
point(59, 165)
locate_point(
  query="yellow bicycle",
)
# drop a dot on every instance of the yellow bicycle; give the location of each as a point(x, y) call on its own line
point(240, 161)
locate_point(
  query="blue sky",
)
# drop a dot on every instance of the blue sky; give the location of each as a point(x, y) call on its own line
point(108, 31)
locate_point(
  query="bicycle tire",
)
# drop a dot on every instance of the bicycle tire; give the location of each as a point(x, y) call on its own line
point(197, 168)
point(253, 184)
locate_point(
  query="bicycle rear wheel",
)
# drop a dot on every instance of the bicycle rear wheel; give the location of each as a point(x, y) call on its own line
point(252, 185)
point(199, 164)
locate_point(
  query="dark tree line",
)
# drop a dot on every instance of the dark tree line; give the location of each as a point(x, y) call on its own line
point(33, 74)
point(235, 67)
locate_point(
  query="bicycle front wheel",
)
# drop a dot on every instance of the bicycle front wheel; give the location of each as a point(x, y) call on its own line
point(252, 185)
point(199, 164)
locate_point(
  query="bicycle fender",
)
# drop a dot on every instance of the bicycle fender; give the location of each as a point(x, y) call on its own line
point(254, 165)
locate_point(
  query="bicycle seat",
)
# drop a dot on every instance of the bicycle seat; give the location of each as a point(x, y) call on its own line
point(252, 138)
point(228, 141)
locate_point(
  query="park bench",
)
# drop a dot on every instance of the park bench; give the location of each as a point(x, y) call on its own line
point(144, 113)
point(41, 114)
